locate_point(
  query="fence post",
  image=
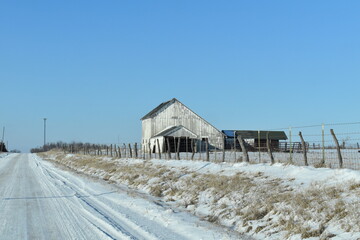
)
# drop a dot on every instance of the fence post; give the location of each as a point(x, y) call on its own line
point(159, 150)
point(323, 144)
point(136, 150)
point(119, 150)
point(269, 148)
point(125, 154)
point(304, 149)
point(130, 150)
point(243, 148)
point(223, 156)
point(290, 142)
point(234, 146)
point(207, 150)
point(149, 150)
point(168, 148)
point(187, 147)
point(192, 149)
point(259, 146)
point(178, 150)
point(337, 148)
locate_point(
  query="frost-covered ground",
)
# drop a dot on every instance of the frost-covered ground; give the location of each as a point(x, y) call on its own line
point(40, 201)
point(265, 201)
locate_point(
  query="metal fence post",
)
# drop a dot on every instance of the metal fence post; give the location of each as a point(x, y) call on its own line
point(234, 146)
point(290, 141)
point(323, 143)
point(259, 146)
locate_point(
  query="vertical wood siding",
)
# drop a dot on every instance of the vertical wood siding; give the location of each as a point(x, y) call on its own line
point(178, 114)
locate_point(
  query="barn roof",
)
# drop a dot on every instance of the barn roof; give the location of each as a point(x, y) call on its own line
point(251, 134)
point(158, 108)
point(164, 105)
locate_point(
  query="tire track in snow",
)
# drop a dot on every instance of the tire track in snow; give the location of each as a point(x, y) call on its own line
point(102, 214)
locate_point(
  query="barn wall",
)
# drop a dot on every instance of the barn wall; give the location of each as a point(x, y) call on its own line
point(146, 129)
point(178, 114)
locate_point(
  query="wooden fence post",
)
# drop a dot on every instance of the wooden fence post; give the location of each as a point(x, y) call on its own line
point(168, 148)
point(158, 146)
point(243, 148)
point(178, 150)
point(269, 148)
point(149, 145)
point(207, 150)
point(119, 150)
point(187, 150)
point(223, 152)
point(130, 150)
point(192, 149)
point(304, 149)
point(136, 150)
point(125, 154)
point(337, 148)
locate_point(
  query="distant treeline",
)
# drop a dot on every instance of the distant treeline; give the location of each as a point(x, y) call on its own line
point(3, 147)
point(71, 147)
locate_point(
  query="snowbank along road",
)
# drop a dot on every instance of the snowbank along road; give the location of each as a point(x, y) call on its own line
point(40, 201)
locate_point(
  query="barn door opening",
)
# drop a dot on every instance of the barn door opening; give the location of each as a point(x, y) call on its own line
point(185, 144)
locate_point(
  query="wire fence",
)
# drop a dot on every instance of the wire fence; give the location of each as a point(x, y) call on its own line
point(322, 145)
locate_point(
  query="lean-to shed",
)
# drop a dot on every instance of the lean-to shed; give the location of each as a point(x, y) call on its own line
point(253, 139)
point(172, 122)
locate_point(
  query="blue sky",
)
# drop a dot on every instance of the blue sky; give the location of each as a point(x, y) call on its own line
point(94, 68)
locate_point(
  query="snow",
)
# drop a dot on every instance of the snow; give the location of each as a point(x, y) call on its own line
point(315, 199)
point(40, 201)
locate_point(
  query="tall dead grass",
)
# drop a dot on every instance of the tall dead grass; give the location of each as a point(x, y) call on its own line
point(247, 202)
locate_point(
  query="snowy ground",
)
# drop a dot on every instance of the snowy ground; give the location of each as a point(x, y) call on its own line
point(40, 201)
point(265, 201)
point(350, 157)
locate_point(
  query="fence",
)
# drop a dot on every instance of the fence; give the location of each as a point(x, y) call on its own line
point(322, 145)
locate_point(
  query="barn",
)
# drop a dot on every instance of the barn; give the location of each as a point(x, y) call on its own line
point(254, 140)
point(173, 123)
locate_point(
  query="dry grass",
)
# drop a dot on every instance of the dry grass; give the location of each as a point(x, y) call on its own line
point(257, 203)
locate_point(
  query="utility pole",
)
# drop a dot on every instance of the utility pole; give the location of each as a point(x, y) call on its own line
point(44, 133)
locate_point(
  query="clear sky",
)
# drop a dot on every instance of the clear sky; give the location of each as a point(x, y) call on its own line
point(94, 68)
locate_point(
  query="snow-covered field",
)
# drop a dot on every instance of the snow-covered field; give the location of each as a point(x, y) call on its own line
point(264, 201)
point(40, 201)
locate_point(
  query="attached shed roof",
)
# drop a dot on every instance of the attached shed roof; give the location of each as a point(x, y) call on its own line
point(251, 134)
point(176, 131)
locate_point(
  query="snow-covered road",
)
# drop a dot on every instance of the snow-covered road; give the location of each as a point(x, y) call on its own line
point(40, 201)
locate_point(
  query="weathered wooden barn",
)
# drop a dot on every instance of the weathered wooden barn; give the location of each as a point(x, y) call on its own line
point(254, 140)
point(174, 122)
